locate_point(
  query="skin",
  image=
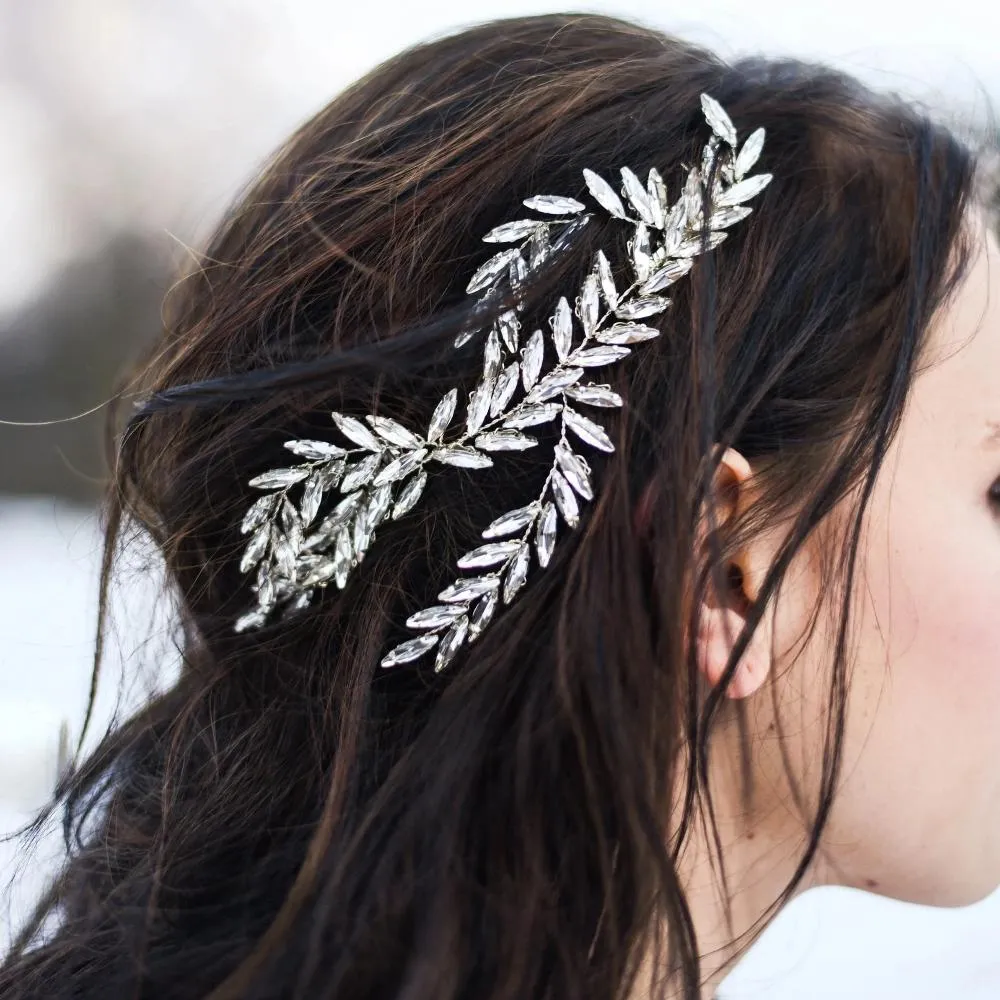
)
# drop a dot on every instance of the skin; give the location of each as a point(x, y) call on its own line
point(917, 811)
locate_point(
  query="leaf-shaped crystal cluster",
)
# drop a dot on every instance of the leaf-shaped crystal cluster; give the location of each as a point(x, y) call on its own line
point(528, 380)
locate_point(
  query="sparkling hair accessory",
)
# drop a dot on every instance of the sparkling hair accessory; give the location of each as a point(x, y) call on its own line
point(526, 381)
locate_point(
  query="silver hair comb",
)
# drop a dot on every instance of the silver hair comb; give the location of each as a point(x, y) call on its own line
point(382, 472)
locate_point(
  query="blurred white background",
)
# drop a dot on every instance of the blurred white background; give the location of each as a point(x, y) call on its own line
point(126, 128)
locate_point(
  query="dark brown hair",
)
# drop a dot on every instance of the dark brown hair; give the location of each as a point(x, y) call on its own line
point(288, 820)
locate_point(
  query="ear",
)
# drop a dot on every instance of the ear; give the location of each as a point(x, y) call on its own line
point(722, 616)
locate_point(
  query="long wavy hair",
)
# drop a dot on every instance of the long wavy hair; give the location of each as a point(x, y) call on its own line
point(289, 820)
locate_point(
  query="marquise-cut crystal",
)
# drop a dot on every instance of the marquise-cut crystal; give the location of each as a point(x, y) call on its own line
point(545, 536)
point(533, 415)
point(509, 232)
point(552, 385)
point(508, 440)
point(603, 193)
point(462, 456)
point(260, 510)
point(587, 430)
point(312, 494)
point(314, 450)
point(400, 468)
point(354, 429)
point(589, 304)
point(506, 385)
point(491, 270)
point(562, 328)
point(509, 325)
point(442, 417)
point(410, 494)
point(565, 500)
point(451, 643)
point(576, 470)
point(463, 591)
point(550, 204)
point(597, 357)
point(531, 359)
point(479, 405)
point(410, 650)
point(595, 395)
point(394, 432)
point(256, 548)
point(491, 554)
point(627, 333)
point(278, 478)
point(435, 617)
point(512, 521)
point(482, 613)
point(360, 473)
point(518, 573)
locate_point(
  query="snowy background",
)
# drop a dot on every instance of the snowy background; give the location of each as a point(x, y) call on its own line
point(126, 127)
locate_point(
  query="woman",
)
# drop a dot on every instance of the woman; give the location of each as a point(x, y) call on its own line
point(764, 658)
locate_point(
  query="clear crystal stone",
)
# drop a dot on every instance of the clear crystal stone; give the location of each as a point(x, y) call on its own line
point(253, 619)
point(562, 328)
point(506, 384)
point(265, 588)
point(362, 534)
point(540, 246)
point(512, 521)
point(278, 478)
point(462, 456)
point(636, 194)
point(329, 475)
point(588, 305)
point(565, 500)
point(517, 573)
point(595, 395)
point(284, 556)
point(576, 470)
point(587, 430)
point(255, 548)
point(510, 232)
point(531, 359)
point(488, 555)
point(341, 514)
point(360, 474)
point(314, 450)
point(394, 432)
point(410, 650)
point(550, 204)
point(378, 506)
point(435, 617)
point(749, 153)
point(505, 441)
point(545, 535)
point(482, 613)
point(665, 276)
point(491, 270)
point(533, 415)
point(463, 591)
point(552, 385)
point(311, 497)
point(657, 197)
point(260, 510)
point(354, 429)
point(597, 357)
point(479, 405)
point(603, 193)
point(410, 494)
point(509, 325)
point(491, 356)
point(642, 307)
point(400, 468)
point(692, 247)
point(321, 573)
point(451, 643)
point(627, 333)
point(442, 417)
point(607, 280)
point(717, 118)
point(343, 558)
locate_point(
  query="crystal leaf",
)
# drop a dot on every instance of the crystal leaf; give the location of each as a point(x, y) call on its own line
point(482, 614)
point(464, 337)
point(531, 359)
point(354, 429)
point(565, 499)
point(743, 190)
point(343, 558)
point(378, 505)
point(279, 478)
point(749, 153)
point(394, 432)
point(488, 555)
point(289, 515)
point(562, 328)
point(512, 521)
point(463, 591)
point(491, 356)
point(284, 556)
point(451, 643)
point(265, 587)
point(260, 510)
point(545, 535)
point(518, 271)
point(256, 548)
point(553, 384)
point(540, 246)
point(506, 385)
point(409, 495)
point(708, 155)
point(576, 470)
point(360, 473)
point(532, 416)
point(311, 497)
point(321, 574)
point(362, 534)
point(509, 440)
point(400, 468)
point(550, 204)
point(717, 118)
point(665, 276)
point(479, 405)
point(436, 617)
point(595, 357)
point(300, 602)
point(587, 430)
point(410, 650)
point(693, 246)
point(657, 197)
point(444, 412)
point(603, 193)
point(642, 261)
point(491, 270)
point(517, 573)
point(674, 226)
point(509, 324)
point(627, 333)
point(594, 395)
point(588, 305)
point(462, 456)
point(729, 216)
point(607, 279)
point(315, 450)
point(330, 474)
point(252, 619)
point(342, 513)
point(642, 307)
point(509, 232)
point(637, 195)
point(692, 197)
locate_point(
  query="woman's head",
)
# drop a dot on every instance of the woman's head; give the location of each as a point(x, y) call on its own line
point(528, 822)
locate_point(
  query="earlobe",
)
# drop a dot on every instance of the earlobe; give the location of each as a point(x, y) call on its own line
point(719, 628)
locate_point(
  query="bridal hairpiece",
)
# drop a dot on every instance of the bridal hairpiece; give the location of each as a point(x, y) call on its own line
point(526, 382)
